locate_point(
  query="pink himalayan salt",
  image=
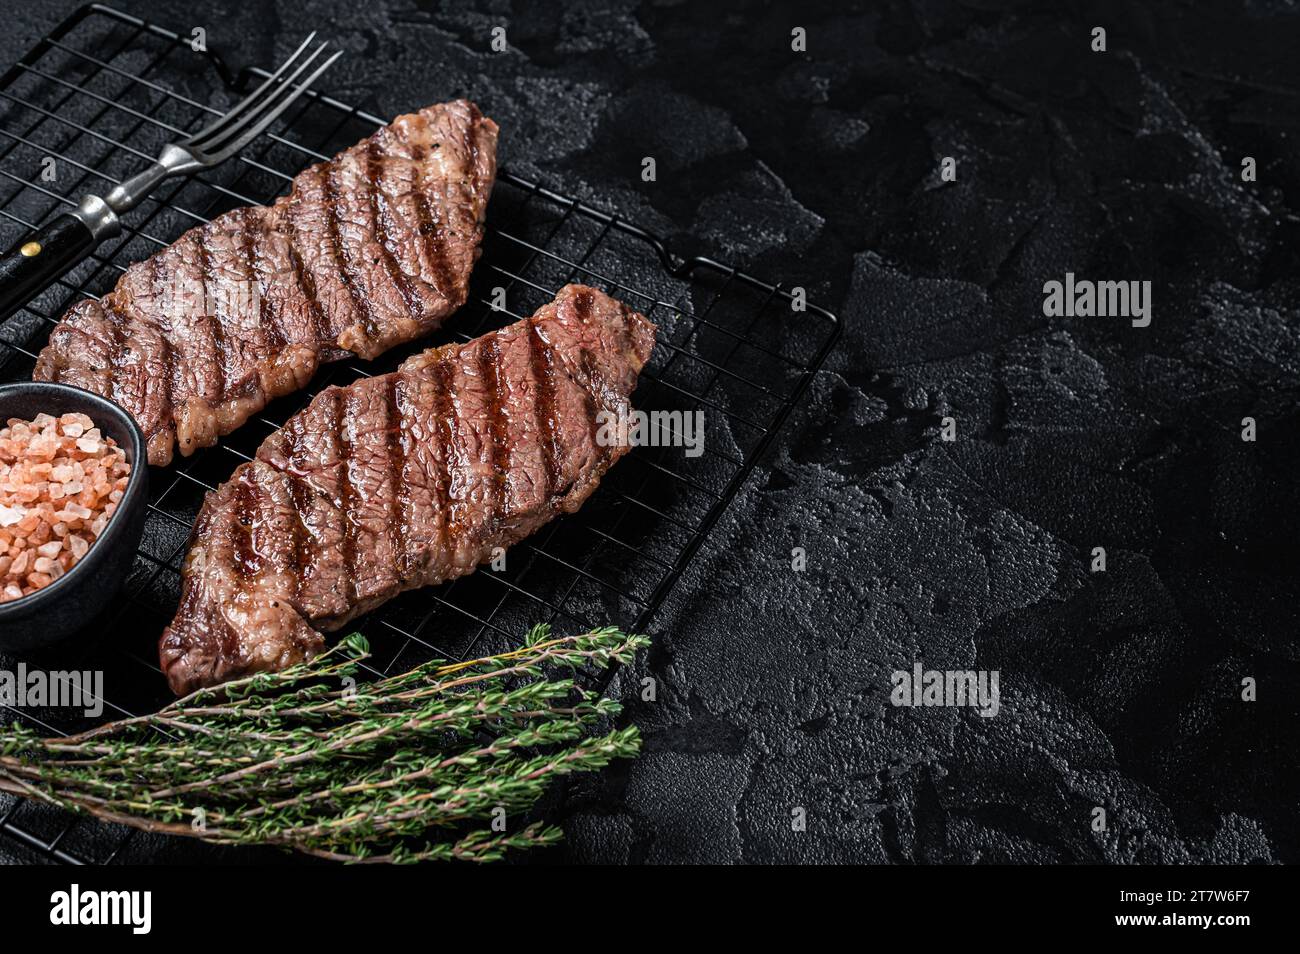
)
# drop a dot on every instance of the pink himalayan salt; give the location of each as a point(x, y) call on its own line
point(60, 482)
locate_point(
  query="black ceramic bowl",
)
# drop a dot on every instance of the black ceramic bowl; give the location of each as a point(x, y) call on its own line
point(71, 601)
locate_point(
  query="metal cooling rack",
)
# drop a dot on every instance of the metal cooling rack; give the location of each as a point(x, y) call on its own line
point(104, 90)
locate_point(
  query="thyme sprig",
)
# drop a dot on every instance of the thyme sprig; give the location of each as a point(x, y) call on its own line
point(399, 769)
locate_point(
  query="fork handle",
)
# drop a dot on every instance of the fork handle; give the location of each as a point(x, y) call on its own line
point(37, 260)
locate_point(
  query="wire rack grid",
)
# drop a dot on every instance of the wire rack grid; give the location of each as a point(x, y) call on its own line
point(104, 90)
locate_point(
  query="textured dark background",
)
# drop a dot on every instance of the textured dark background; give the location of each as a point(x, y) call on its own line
point(1119, 689)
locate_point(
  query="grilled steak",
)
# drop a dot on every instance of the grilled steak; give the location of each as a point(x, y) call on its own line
point(368, 250)
point(400, 481)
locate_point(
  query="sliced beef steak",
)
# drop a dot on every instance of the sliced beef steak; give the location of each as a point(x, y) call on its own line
point(368, 250)
point(400, 481)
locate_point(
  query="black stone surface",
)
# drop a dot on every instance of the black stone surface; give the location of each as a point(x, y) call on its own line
point(1119, 689)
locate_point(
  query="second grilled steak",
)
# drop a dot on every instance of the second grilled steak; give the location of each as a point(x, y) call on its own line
point(367, 251)
point(402, 480)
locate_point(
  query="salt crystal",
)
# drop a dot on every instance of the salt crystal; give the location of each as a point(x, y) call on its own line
point(46, 464)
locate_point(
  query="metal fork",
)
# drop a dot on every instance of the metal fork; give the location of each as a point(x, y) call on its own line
point(39, 258)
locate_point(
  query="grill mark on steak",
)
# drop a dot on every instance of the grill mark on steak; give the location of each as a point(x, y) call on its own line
point(117, 349)
point(443, 440)
point(593, 395)
point(242, 528)
point(270, 532)
point(341, 443)
point(459, 459)
point(163, 281)
point(467, 143)
point(310, 458)
point(268, 318)
point(384, 228)
point(299, 497)
point(170, 369)
point(594, 406)
point(436, 247)
point(334, 241)
point(474, 428)
point(395, 457)
point(499, 460)
point(432, 240)
point(168, 359)
point(218, 333)
point(393, 479)
point(368, 250)
point(306, 284)
point(543, 368)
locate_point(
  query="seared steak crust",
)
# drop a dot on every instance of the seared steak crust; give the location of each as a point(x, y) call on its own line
point(400, 481)
point(370, 249)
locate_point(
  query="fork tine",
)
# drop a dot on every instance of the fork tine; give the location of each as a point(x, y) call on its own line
point(250, 99)
point(264, 120)
point(211, 144)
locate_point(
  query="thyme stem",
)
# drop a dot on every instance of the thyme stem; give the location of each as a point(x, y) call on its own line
point(439, 763)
